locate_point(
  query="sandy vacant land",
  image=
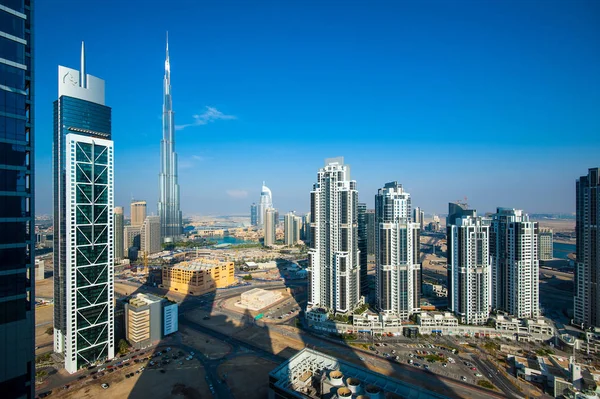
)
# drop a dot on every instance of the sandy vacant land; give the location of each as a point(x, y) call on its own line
point(210, 347)
point(562, 225)
point(269, 341)
point(244, 384)
point(43, 320)
point(44, 288)
point(187, 383)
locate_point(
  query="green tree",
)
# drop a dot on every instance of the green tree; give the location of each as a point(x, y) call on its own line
point(123, 346)
point(247, 277)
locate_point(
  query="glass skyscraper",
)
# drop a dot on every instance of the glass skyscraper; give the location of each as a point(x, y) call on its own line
point(17, 239)
point(83, 220)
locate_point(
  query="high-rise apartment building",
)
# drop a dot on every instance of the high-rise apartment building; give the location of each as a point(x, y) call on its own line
point(83, 220)
point(515, 264)
point(455, 211)
point(17, 194)
point(138, 212)
point(397, 253)
point(545, 244)
point(291, 229)
point(587, 270)
point(169, 209)
point(253, 214)
point(266, 202)
point(370, 216)
point(131, 238)
point(333, 271)
point(419, 217)
point(306, 229)
point(270, 227)
point(362, 247)
point(469, 265)
point(150, 242)
point(119, 225)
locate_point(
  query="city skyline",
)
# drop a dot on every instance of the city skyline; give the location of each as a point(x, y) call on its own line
point(437, 114)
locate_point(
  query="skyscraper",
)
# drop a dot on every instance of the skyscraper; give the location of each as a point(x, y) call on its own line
point(119, 224)
point(131, 238)
point(333, 271)
point(515, 264)
point(17, 210)
point(138, 212)
point(83, 220)
point(370, 215)
point(545, 244)
point(253, 215)
point(397, 253)
point(266, 202)
point(362, 247)
point(587, 270)
point(291, 229)
point(169, 209)
point(269, 227)
point(469, 265)
point(455, 211)
point(419, 217)
point(150, 242)
point(306, 229)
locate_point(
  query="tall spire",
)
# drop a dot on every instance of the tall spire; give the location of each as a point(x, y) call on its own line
point(83, 78)
point(167, 66)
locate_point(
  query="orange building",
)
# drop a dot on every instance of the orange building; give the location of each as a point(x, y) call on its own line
point(198, 277)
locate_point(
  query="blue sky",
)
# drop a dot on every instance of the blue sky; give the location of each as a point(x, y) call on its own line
point(497, 101)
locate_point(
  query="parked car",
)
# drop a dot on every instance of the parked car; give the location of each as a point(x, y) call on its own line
point(105, 386)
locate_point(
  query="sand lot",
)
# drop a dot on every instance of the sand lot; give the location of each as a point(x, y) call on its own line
point(43, 320)
point(210, 347)
point(149, 384)
point(245, 385)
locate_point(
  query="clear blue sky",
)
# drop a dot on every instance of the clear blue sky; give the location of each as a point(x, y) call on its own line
point(498, 101)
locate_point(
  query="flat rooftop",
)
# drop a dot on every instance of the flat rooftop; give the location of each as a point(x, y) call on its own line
point(198, 265)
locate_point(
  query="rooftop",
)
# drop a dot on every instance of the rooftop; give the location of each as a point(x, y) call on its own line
point(139, 300)
point(198, 264)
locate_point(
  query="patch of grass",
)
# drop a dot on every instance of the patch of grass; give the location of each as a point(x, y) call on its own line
point(544, 352)
point(491, 346)
point(486, 384)
point(247, 277)
point(349, 337)
point(435, 358)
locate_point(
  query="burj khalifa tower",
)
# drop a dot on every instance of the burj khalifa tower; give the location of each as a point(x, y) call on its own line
point(168, 202)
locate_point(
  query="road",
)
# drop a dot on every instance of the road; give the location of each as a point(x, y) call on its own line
point(497, 378)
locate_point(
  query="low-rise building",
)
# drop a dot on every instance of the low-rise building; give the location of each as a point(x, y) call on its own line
point(434, 319)
point(436, 290)
point(310, 374)
point(257, 298)
point(198, 277)
point(143, 320)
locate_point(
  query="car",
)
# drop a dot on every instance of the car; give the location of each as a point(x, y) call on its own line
point(474, 368)
point(478, 375)
point(105, 386)
point(362, 358)
point(127, 376)
point(462, 377)
point(416, 365)
point(169, 349)
point(410, 355)
point(66, 387)
point(445, 364)
point(44, 394)
point(410, 361)
point(102, 369)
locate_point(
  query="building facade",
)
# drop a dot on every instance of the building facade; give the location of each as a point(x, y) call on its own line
point(150, 242)
point(169, 209)
point(119, 225)
point(515, 264)
point(266, 202)
point(143, 320)
point(333, 266)
point(362, 247)
point(587, 269)
point(419, 217)
point(469, 265)
point(17, 197)
point(138, 212)
point(397, 264)
point(131, 238)
point(545, 244)
point(83, 220)
point(198, 277)
point(253, 214)
point(270, 227)
point(170, 318)
point(291, 229)
point(370, 217)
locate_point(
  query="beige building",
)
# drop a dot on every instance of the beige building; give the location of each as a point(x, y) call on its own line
point(291, 229)
point(143, 320)
point(138, 212)
point(150, 242)
point(198, 277)
point(270, 227)
point(257, 298)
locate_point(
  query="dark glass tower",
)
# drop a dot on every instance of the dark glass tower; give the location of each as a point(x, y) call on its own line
point(83, 220)
point(587, 270)
point(362, 247)
point(17, 239)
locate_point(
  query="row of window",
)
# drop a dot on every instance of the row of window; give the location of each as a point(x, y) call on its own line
point(12, 51)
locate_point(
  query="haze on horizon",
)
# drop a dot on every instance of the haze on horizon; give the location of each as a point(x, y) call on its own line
point(495, 101)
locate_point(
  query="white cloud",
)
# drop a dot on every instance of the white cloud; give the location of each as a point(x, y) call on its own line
point(237, 193)
point(210, 115)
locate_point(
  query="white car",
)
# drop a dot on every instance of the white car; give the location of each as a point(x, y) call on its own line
point(463, 378)
point(105, 386)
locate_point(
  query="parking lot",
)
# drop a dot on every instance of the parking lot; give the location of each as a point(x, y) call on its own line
point(284, 310)
point(435, 358)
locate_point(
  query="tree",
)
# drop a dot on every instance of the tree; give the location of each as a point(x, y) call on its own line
point(123, 346)
point(247, 277)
